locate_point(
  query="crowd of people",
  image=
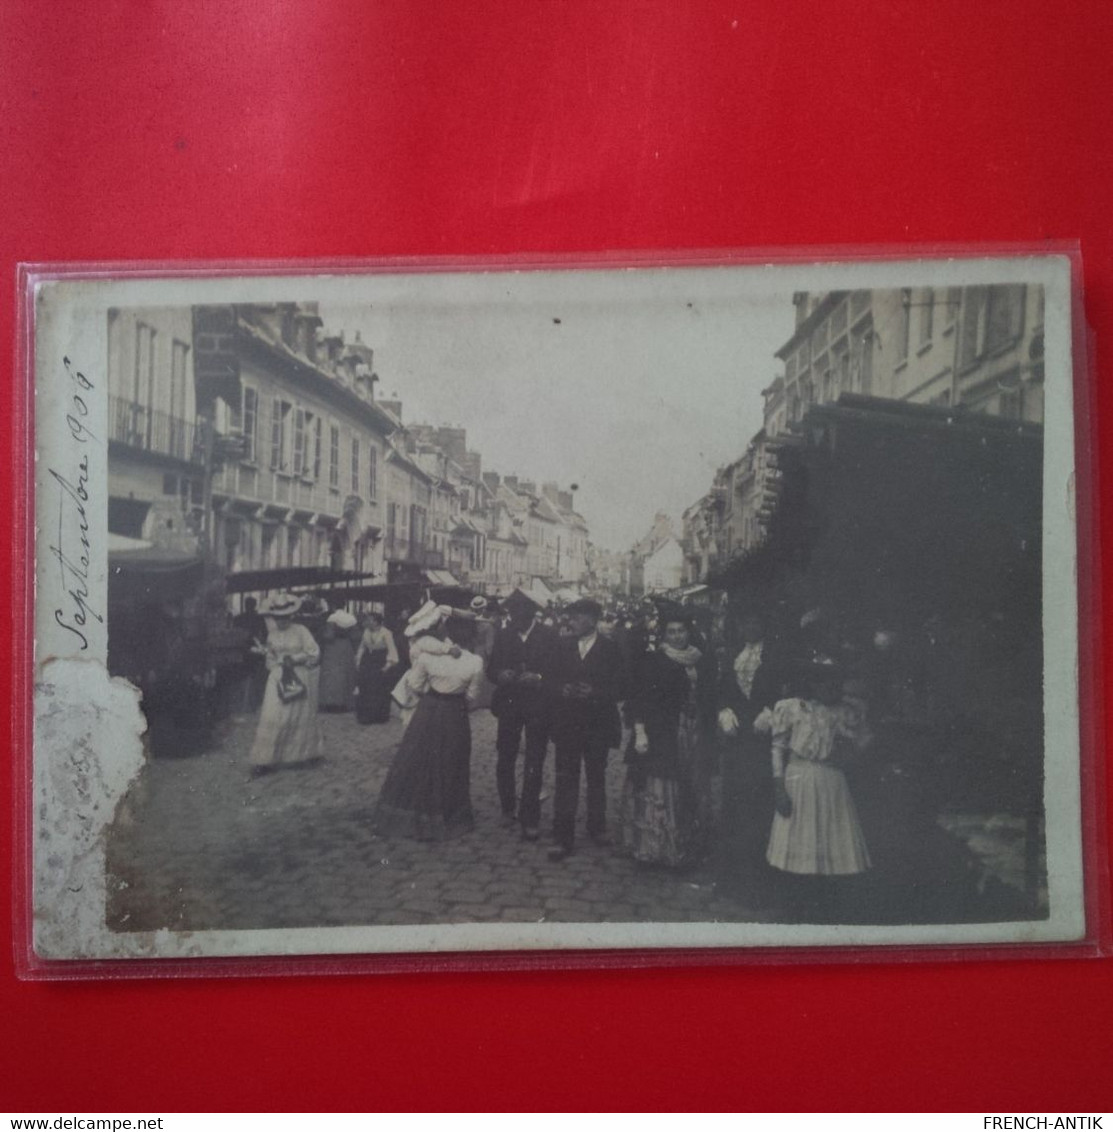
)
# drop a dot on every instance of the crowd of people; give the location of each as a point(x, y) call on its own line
point(735, 758)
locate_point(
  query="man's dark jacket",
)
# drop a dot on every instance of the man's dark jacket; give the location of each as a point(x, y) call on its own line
point(535, 654)
point(595, 718)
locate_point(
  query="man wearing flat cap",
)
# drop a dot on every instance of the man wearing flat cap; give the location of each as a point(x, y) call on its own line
point(520, 665)
point(585, 686)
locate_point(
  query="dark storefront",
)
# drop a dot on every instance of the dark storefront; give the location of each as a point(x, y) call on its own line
point(915, 534)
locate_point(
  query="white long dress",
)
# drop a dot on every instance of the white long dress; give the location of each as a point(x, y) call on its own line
point(289, 732)
point(822, 836)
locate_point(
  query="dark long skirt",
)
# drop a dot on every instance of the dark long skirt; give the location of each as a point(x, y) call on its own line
point(338, 675)
point(373, 701)
point(427, 792)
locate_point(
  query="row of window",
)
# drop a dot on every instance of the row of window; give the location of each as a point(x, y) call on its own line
point(925, 305)
point(295, 443)
point(993, 317)
point(145, 371)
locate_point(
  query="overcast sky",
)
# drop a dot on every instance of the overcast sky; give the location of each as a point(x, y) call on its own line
point(649, 381)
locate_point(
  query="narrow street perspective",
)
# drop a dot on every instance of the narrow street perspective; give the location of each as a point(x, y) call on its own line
point(552, 633)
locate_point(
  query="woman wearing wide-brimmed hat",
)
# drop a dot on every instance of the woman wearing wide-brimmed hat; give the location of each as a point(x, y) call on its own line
point(288, 732)
point(427, 792)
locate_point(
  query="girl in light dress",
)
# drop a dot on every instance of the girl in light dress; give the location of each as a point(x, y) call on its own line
point(288, 732)
point(816, 840)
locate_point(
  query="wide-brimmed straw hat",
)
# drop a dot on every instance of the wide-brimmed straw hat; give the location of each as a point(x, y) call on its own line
point(282, 605)
point(342, 619)
point(478, 603)
point(429, 616)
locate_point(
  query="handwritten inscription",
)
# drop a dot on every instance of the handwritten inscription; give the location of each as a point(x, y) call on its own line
point(72, 548)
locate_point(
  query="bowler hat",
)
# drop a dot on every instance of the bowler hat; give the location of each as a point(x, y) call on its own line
point(585, 606)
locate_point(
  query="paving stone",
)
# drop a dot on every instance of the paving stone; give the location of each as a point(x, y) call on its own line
point(595, 892)
point(567, 904)
point(394, 916)
point(425, 907)
point(475, 911)
point(501, 891)
point(525, 914)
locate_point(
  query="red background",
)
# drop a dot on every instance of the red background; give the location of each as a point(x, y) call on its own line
point(174, 129)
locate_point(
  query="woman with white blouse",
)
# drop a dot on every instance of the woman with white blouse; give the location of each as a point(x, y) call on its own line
point(377, 665)
point(427, 792)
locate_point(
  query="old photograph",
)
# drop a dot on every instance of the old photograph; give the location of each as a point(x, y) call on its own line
point(692, 606)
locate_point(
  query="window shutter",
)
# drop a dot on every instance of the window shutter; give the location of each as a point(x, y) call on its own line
point(973, 311)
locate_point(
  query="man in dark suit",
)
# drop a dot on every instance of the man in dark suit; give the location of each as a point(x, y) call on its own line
point(520, 663)
point(751, 683)
point(585, 685)
point(254, 625)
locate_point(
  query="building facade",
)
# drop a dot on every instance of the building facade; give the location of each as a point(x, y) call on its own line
point(310, 486)
point(978, 349)
point(156, 466)
point(250, 435)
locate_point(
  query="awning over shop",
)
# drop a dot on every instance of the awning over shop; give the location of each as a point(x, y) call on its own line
point(687, 593)
point(440, 578)
point(391, 592)
point(538, 592)
point(283, 578)
point(151, 573)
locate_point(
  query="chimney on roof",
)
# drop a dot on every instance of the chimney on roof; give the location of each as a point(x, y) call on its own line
point(473, 465)
point(394, 407)
point(455, 442)
point(511, 482)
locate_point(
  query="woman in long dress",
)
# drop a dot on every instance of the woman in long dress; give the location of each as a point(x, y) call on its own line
point(816, 836)
point(377, 669)
point(288, 732)
point(660, 812)
point(427, 791)
point(338, 665)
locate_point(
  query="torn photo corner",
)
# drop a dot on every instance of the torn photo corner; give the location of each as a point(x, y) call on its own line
point(680, 606)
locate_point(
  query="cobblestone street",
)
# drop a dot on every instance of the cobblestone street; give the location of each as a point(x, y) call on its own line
point(200, 845)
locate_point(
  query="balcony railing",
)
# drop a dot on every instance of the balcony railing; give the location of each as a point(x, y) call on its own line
point(151, 430)
point(398, 549)
point(395, 548)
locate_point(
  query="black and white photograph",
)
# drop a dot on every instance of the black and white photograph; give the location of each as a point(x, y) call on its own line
point(713, 606)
